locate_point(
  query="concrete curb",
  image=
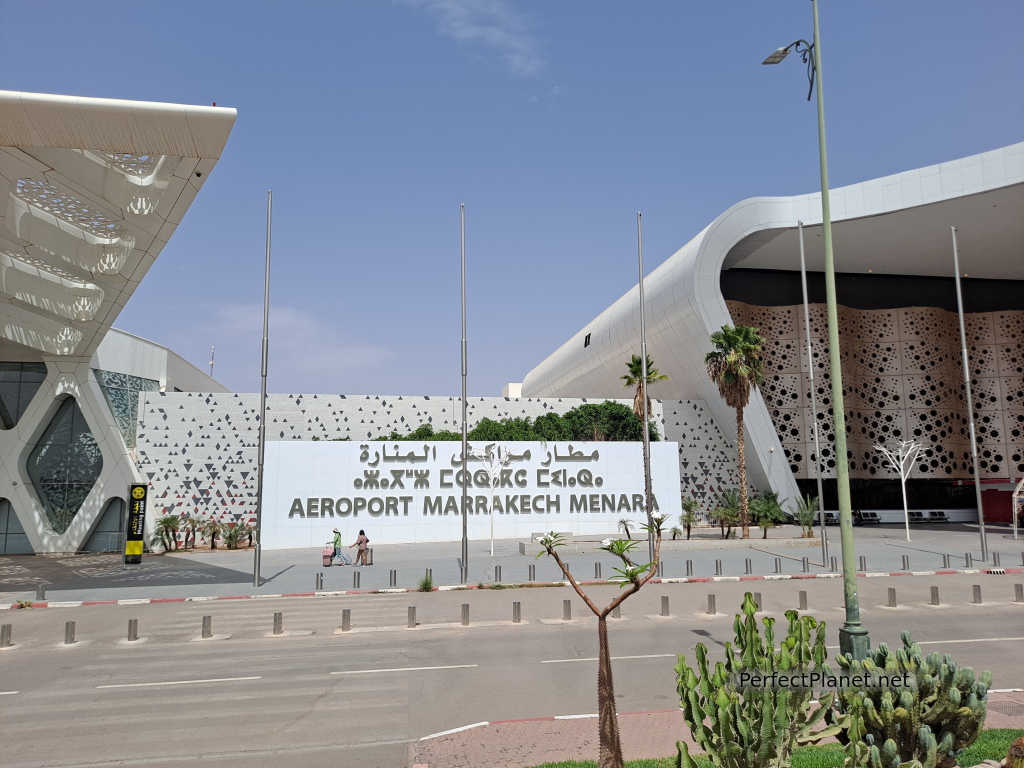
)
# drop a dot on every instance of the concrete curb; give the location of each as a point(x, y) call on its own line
point(510, 585)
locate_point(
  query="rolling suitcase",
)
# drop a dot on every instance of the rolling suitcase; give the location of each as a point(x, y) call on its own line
point(328, 554)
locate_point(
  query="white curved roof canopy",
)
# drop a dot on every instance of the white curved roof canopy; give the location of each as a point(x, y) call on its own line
point(90, 192)
point(897, 225)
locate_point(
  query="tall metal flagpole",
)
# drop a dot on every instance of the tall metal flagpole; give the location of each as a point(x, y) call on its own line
point(465, 439)
point(970, 401)
point(814, 400)
point(263, 401)
point(643, 385)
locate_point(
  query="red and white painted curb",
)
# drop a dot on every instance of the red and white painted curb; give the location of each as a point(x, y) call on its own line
point(401, 590)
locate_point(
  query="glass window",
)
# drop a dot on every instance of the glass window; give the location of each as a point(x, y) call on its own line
point(64, 465)
point(13, 539)
point(121, 392)
point(19, 383)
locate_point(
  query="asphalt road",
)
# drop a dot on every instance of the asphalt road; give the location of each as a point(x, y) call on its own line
point(316, 696)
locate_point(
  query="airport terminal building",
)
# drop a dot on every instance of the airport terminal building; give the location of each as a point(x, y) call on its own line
point(95, 188)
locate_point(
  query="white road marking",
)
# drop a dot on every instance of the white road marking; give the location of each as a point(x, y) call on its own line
point(453, 730)
point(179, 682)
point(403, 669)
point(8, 693)
point(614, 658)
point(975, 640)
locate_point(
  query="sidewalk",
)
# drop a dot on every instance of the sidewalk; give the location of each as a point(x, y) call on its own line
point(525, 743)
point(213, 573)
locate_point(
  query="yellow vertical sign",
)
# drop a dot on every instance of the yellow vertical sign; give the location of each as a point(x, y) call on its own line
point(135, 537)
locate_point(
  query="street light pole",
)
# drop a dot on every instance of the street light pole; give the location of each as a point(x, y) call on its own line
point(465, 443)
point(853, 637)
point(257, 552)
point(643, 385)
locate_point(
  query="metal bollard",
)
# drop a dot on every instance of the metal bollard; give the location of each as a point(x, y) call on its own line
point(597, 570)
point(906, 562)
point(369, 556)
point(664, 605)
point(977, 594)
point(757, 600)
point(806, 565)
point(517, 612)
point(778, 565)
point(1018, 593)
point(995, 560)
point(497, 574)
point(133, 630)
point(945, 561)
point(718, 567)
point(69, 633)
point(935, 596)
point(711, 605)
point(356, 579)
point(40, 592)
point(319, 582)
point(968, 559)
point(346, 619)
point(689, 567)
point(892, 597)
point(393, 580)
point(1022, 558)
point(411, 621)
point(429, 573)
point(863, 564)
point(207, 627)
point(749, 565)
point(465, 614)
point(661, 568)
point(278, 623)
point(803, 600)
point(533, 572)
point(833, 564)
point(617, 613)
point(5, 635)
point(567, 610)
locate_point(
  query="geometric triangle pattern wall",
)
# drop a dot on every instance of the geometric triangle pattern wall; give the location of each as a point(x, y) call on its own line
point(199, 451)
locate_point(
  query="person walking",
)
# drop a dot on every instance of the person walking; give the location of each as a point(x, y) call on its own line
point(337, 544)
point(361, 542)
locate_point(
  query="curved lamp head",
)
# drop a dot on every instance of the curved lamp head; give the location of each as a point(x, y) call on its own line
point(778, 56)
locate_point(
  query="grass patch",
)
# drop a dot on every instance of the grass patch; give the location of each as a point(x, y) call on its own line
point(992, 744)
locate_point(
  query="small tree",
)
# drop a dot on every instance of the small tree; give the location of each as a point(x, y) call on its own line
point(689, 517)
point(804, 510)
point(633, 577)
point(901, 458)
point(165, 532)
point(211, 529)
point(727, 514)
point(766, 511)
point(234, 533)
point(192, 525)
point(624, 524)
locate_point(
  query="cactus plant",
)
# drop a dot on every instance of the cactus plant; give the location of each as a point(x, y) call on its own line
point(1015, 755)
point(924, 725)
point(759, 727)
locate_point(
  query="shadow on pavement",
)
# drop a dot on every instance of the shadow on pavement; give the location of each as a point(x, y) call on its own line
point(96, 571)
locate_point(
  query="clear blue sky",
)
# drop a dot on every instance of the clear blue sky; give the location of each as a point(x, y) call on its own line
point(554, 122)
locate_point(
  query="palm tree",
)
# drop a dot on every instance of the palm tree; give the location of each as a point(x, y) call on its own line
point(689, 516)
point(736, 367)
point(634, 378)
point(211, 529)
point(727, 514)
point(805, 511)
point(624, 524)
point(766, 510)
point(165, 532)
point(192, 524)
